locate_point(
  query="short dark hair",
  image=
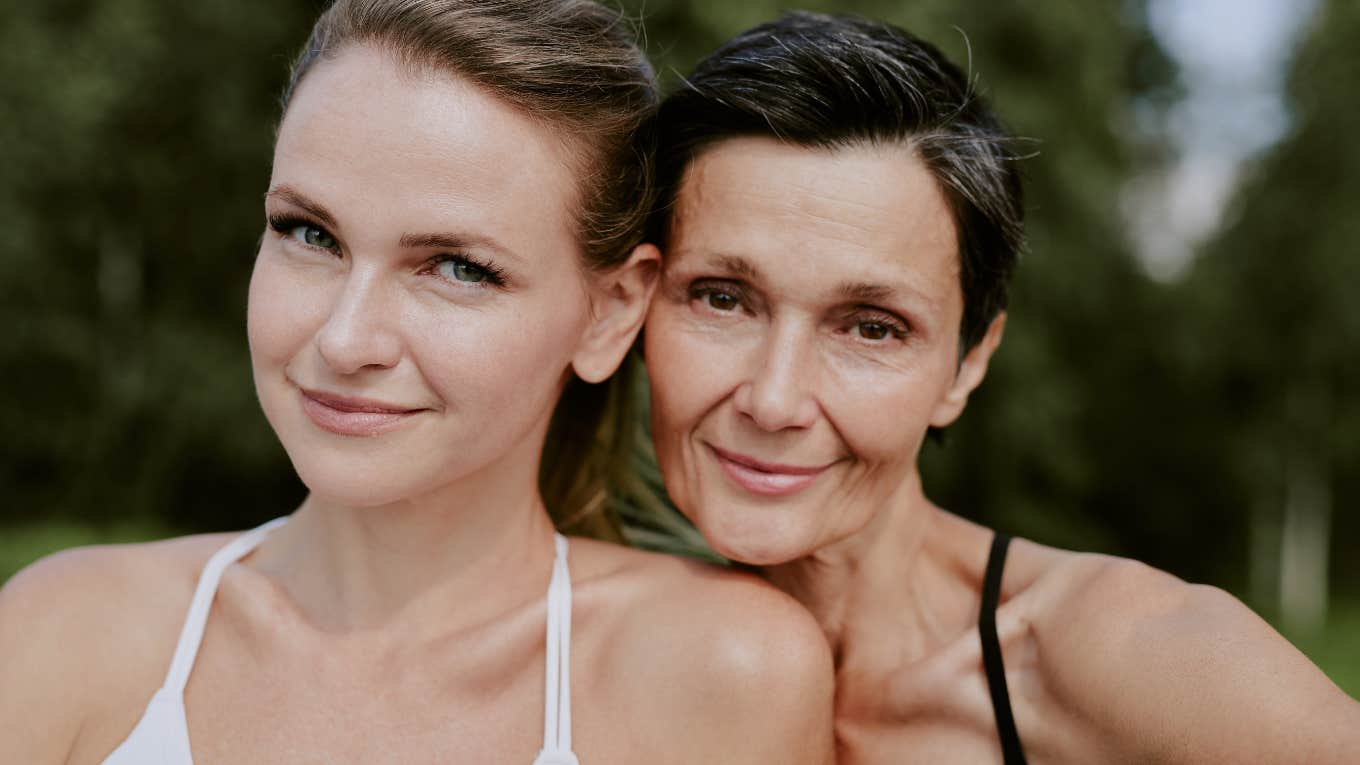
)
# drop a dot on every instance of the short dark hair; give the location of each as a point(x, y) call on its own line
point(829, 81)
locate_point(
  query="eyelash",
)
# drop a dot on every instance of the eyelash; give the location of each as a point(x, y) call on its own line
point(704, 290)
point(896, 328)
point(494, 277)
point(284, 225)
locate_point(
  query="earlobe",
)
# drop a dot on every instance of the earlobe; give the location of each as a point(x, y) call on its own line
point(619, 299)
point(970, 374)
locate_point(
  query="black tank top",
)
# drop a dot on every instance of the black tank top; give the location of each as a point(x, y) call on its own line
point(991, 653)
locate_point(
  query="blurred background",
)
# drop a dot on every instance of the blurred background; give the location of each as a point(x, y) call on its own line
point(1179, 381)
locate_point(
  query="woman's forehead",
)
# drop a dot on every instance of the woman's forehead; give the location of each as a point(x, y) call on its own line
point(364, 125)
point(860, 209)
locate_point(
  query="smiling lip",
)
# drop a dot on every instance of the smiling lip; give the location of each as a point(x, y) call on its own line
point(353, 416)
point(765, 478)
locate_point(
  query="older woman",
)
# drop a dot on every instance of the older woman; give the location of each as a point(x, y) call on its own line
point(841, 218)
point(453, 228)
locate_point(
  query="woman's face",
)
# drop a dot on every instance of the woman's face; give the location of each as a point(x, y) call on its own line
point(417, 297)
point(803, 338)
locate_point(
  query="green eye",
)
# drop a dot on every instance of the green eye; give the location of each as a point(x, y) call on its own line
point(314, 237)
point(463, 271)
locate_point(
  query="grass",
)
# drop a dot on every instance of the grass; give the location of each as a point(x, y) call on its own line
point(1336, 648)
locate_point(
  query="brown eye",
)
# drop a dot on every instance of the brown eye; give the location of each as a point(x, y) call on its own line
point(872, 330)
point(721, 301)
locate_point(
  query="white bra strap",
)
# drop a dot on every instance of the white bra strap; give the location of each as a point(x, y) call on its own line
point(192, 634)
point(557, 697)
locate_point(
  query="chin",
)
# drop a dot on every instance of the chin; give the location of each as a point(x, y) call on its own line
point(350, 487)
point(755, 535)
point(364, 477)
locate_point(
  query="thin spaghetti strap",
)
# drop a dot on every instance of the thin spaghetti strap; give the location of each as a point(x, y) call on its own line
point(551, 663)
point(192, 634)
point(991, 653)
point(557, 670)
point(564, 635)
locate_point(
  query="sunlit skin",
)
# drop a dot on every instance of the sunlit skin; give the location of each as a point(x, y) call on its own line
point(822, 347)
point(417, 304)
point(459, 326)
point(804, 336)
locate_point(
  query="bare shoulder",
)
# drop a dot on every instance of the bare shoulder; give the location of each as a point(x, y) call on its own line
point(708, 619)
point(1082, 598)
point(737, 659)
point(86, 586)
point(1100, 591)
point(1181, 672)
point(86, 627)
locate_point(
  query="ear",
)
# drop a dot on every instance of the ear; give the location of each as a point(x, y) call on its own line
point(970, 374)
point(619, 300)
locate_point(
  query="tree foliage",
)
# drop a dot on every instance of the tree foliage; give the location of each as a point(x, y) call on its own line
point(1274, 297)
point(1122, 414)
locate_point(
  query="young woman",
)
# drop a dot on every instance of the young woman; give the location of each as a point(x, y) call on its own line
point(840, 217)
point(452, 238)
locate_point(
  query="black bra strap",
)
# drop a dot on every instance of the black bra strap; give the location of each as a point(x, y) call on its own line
point(991, 653)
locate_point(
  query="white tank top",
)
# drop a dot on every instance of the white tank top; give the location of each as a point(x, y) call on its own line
point(162, 735)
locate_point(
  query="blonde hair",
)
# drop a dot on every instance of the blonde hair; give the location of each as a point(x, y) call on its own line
point(575, 65)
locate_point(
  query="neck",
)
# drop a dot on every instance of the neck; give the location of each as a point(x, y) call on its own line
point(910, 572)
point(352, 568)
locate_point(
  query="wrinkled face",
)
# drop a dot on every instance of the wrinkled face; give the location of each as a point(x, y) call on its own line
point(417, 295)
point(803, 338)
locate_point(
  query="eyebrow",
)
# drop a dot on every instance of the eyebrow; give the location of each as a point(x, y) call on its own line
point(864, 291)
point(294, 197)
point(735, 265)
point(408, 241)
point(874, 293)
point(868, 292)
point(454, 242)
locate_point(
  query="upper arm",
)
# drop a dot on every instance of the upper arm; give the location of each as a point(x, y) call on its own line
point(41, 661)
point(743, 675)
point(1187, 673)
point(85, 637)
point(775, 672)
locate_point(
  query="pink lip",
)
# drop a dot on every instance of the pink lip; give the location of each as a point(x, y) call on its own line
point(353, 416)
point(765, 478)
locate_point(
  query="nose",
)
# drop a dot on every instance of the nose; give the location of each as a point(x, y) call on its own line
point(779, 394)
point(358, 333)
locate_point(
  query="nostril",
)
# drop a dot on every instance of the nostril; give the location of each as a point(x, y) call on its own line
point(357, 335)
point(349, 349)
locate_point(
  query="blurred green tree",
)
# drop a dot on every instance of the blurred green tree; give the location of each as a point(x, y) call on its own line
point(1121, 415)
point(1279, 330)
point(137, 138)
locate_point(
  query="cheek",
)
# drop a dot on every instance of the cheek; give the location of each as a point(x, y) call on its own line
point(688, 369)
point(282, 312)
point(883, 411)
point(684, 370)
point(498, 363)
